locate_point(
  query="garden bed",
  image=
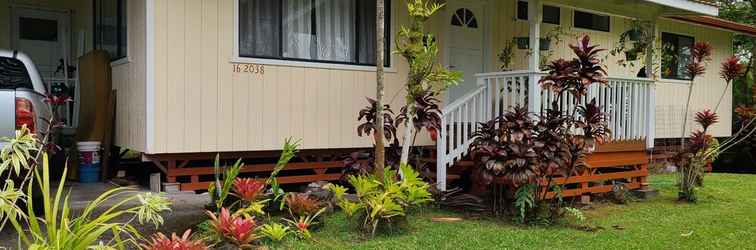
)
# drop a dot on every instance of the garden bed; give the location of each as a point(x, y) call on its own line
point(723, 218)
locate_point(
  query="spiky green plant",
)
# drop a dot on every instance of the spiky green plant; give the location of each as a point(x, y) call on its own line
point(381, 200)
point(57, 228)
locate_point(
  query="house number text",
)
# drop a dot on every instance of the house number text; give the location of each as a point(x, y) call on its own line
point(249, 68)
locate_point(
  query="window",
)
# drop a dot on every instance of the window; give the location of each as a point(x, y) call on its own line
point(13, 74)
point(676, 55)
point(591, 21)
point(38, 29)
point(464, 18)
point(550, 13)
point(331, 31)
point(110, 27)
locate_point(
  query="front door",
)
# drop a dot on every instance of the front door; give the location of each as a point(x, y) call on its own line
point(41, 34)
point(466, 31)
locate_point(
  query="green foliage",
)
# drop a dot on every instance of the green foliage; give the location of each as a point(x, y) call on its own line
point(274, 231)
point(574, 216)
point(380, 200)
point(220, 189)
point(524, 201)
point(304, 224)
point(58, 229)
point(19, 151)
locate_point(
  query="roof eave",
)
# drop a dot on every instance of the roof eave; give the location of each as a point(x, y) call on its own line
point(696, 8)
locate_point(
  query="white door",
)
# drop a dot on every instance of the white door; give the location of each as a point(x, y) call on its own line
point(41, 34)
point(466, 35)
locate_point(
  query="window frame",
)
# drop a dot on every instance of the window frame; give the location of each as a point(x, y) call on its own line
point(517, 13)
point(609, 25)
point(237, 57)
point(122, 7)
point(661, 67)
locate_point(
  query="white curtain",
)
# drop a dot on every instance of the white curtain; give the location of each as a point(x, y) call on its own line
point(258, 28)
point(332, 38)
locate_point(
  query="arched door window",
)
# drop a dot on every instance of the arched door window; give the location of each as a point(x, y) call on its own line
point(464, 18)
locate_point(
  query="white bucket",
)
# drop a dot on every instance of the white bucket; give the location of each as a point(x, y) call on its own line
point(88, 146)
point(89, 152)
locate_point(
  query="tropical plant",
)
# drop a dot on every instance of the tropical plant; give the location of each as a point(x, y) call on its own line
point(159, 241)
point(527, 151)
point(301, 204)
point(57, 229)
point(238, 230)
point(505, 56)
point(304, 223)
point(427, 114)
point(730, 70)
point(248, 189)
point(640, 34)
point(381, 200)
point(420, 49)
point(274, 231)
point(221, 188)
point(369, 115)
point(700, 55)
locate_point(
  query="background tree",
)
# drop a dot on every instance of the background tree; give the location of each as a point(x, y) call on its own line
point(380, 149)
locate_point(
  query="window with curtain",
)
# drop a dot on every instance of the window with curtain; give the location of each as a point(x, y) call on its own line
point(110, 21)
point(332, 31)
point(676, 54)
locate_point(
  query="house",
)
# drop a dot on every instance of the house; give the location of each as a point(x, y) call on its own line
point(199, 77)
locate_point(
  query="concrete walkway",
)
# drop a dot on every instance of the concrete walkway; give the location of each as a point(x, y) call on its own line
point(187, 210)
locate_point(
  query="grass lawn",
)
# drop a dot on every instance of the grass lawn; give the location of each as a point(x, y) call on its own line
point(724, 218)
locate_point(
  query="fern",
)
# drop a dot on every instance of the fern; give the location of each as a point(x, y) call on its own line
point(524, 200)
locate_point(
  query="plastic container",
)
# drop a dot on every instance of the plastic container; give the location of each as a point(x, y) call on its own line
point(89, 161)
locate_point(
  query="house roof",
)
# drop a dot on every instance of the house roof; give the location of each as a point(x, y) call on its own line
point(719, 23)
point(689, 7)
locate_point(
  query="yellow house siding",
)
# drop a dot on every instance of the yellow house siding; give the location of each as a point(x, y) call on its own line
point(129, 81)
point(202, 106)
point(671, 95)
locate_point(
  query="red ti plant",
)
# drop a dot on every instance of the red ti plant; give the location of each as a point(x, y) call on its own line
point(693, 158)
point(700, 55)
point(248, 189)
point(528, 153)
point(240, 231)
point(731, 69)
point(427, 114)
point(301, 204)
point(159, 241)
point(369, 115)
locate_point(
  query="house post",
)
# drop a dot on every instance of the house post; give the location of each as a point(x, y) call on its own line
point(535, 16)
point(651, 74)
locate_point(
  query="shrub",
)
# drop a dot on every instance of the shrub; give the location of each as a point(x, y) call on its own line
point(381, 200)
point(302, 204)
point(527, 151)
point(274, 231)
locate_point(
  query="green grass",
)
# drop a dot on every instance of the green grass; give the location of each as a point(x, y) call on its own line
point(724, 218)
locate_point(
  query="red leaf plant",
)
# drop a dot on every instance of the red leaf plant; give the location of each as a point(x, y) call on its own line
point(240, 231)
point(577, 74)
point(731, 69)
point(706, 118)
point(159, 241)
point(248, 189)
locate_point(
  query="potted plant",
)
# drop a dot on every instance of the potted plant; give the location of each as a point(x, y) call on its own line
point(505, 56)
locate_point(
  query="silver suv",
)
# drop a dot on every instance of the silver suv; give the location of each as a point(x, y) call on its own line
point(22, 95)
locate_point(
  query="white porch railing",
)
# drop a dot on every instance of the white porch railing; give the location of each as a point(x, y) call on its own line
point(629, 102)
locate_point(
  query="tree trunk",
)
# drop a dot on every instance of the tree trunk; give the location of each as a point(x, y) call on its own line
point(380, 149)
point(409, 131)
